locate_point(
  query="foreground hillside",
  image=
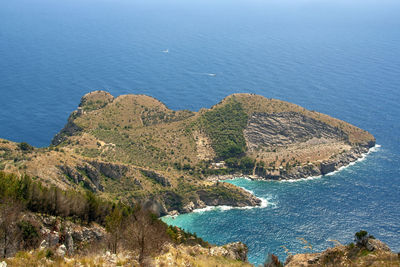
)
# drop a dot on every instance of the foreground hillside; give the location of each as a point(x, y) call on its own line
point(41, 226)
point(134, 149)
point(366, 251)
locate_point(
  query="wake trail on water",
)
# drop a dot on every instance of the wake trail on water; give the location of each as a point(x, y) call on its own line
point(203, 73)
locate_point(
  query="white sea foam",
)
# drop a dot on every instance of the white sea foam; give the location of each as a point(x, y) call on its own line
point(301, 179)
point(362, 158)
point(208, 208)
point(247, 190)
point(264, 203)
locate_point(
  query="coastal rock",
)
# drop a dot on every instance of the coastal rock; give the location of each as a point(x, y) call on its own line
point(189, 207)
point(212, 197)
point(327, 167)
point(298, 172)
point(69, 129)
point(91, 101)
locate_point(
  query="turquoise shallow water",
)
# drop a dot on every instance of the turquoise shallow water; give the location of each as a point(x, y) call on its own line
point(338, 57)
point(332, 207)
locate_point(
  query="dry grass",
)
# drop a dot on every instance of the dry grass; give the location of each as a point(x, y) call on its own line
point(142, 133)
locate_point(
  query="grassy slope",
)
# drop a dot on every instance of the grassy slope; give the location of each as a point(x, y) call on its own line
point(141, 132)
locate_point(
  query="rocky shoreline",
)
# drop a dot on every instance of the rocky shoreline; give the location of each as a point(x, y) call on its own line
point(310, 170)
point(301, 172)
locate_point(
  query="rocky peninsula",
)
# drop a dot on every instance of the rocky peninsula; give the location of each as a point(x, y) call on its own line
point(133, 149)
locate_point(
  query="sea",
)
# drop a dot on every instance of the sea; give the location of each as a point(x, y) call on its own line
point(337, 57)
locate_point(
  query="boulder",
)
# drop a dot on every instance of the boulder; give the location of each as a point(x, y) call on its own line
point(188, 207)
point(69, 243)
point(237, 251)
point(327, 167)
point(53, 238)
point(61, 251)
point(44, 244)
point(377, 245)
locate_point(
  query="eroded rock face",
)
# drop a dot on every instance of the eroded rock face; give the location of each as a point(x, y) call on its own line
point(93, 174)
point(76, 177)
point(69, 129)
point(327, 167)
point(156, 177)
point(113, 171)
point(89, 173)
point(286, 128)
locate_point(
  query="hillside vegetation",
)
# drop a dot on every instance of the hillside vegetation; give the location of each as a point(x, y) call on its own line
point(134, 149)
point(41, 226)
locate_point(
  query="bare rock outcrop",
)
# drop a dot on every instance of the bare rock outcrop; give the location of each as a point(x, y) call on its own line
point(78, 178)
point(89, 102)
point(111, 170)
point(69, 129)
point(235, 251)
point(286, 128)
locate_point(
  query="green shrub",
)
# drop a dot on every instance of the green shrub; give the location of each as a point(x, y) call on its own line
point(25, 146)
point(224, 125)
point(29, 234)
point(49, 253)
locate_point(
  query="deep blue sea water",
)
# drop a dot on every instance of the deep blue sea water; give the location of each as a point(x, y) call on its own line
point(338, 57)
